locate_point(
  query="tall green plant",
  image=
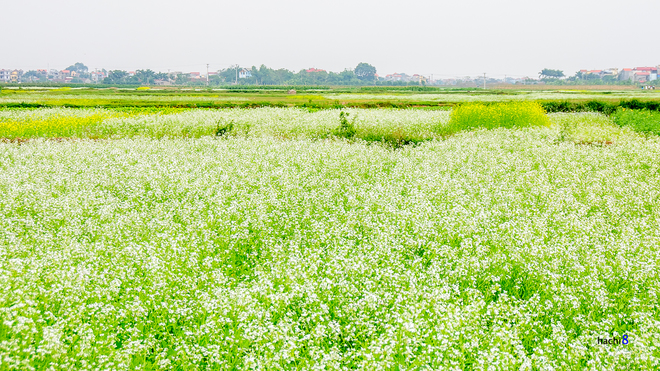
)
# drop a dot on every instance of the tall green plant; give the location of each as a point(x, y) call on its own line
point(223, 128)
point(346, 128)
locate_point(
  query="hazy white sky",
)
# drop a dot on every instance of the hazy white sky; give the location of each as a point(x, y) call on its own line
point(444, 38)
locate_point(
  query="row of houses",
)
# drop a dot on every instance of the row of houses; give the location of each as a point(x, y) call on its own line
point(405, 78)
point(10, 75)
point(16, 76)
point(637, 74)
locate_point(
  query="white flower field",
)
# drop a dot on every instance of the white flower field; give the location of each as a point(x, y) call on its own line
point(277, 247)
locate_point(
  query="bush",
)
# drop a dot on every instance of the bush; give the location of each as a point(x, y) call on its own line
point(498, 115)
point(554, 106)
point(223, 128)
point(346, 128)
point(643, 121)
point(602, 107)
point(640, 105)
point(590, 106)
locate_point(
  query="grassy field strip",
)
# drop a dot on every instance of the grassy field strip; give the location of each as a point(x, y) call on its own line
point(495, 97)
point(281, 122)
point(128, 97)
point(32, 97)
point(371, 124)
point(500, 248)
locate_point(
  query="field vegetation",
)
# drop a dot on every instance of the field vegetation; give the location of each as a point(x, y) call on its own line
point(489, 236)
point(309, 97)
point(503, 115)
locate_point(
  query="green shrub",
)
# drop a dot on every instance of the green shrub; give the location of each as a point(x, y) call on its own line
point(599, 106)
point(223, 128)
point(498, 115)
point(643, 121)
point(590, 106)
point(638, 104)
point(558, 106)
point(346, 128)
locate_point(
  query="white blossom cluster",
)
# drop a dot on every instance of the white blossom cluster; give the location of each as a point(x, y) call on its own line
point(278, 122)
point(503, 249)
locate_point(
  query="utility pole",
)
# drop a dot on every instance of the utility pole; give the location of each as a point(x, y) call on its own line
point(207, 74)
point(484, 80)
point(236, 73)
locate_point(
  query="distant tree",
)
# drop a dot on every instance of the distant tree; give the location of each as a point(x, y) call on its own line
point(78, 67)
point(145, 76)
point(586, 76)
point(229, 75)
point(346, 77)
point(548, 73)
point(215, 80)
point(116, 77)
point(365, 72)
point(182, 79)
point(31, 76)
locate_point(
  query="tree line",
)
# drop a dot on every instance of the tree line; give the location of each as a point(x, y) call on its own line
point(363, 74)
point(557, 77)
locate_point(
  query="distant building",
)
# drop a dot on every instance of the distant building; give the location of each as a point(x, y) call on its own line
point(4, 75)
point(419, 78)
point(626, 74)
point(645, 74)
point(397, 77)
point(244, 73)
point(314, 70)
point(639, 74)
point(614, 72)
point(15, 76)
point(97, 76)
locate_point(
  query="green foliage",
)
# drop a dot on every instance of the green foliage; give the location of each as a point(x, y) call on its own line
point(548, 73)
point(346, 128)
point(497, 115)
point(365, 72)
point(589, 106)
point(638, 104)
point(604, 107)
point(558, 106)
point(599, 106)
point(642, 121)
point(116, 77)
point(223, 128)
point(78, 67)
